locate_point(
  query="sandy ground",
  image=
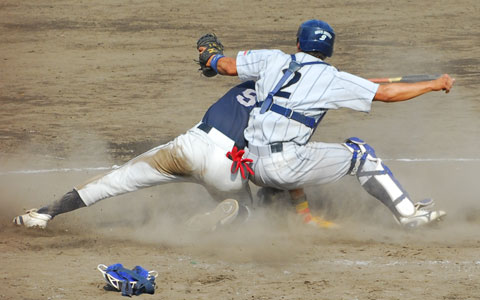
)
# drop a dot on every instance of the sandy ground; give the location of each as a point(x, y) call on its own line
point(86, 85)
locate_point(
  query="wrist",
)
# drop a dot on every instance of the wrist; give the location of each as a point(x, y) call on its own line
point(214, 61)
point(430, 85)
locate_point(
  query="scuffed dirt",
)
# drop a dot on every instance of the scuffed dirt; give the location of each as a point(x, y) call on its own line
point(91, 84)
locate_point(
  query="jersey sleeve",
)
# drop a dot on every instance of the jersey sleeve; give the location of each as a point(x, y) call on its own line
point(250, 63)
point(350, 91)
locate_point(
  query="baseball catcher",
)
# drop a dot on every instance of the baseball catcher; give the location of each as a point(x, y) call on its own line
point(294, 92)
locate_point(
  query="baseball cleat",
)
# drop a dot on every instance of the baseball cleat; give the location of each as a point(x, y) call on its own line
point(319, 222)
point(32, 219)
point(428, 202)
point(422, 217)
point(224, 214)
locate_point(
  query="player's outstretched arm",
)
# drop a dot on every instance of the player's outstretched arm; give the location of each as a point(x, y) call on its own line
point(393, 92)
point(224, 65)
point(211, 58)
point(227, 66)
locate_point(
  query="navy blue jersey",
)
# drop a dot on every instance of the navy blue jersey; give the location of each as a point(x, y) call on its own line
point(230, 113)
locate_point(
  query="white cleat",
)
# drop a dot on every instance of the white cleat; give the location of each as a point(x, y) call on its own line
point(422, 217)
point(224, 214)
point(32, 219)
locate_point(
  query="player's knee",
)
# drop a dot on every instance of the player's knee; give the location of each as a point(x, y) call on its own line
point(365, 162)
point(361, 152)
point(357, 144)
point(170, 160)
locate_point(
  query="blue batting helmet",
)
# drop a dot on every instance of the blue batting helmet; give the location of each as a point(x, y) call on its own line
point(316, 35)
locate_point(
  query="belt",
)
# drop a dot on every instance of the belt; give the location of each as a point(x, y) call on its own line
point(217, 136)
point(266, 150)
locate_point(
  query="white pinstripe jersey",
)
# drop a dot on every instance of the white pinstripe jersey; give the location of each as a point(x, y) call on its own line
point(315, 89)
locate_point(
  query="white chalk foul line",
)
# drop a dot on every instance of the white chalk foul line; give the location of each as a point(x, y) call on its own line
point(55, 170)
point(115, 166)
point(347, 262)
point(433, 159)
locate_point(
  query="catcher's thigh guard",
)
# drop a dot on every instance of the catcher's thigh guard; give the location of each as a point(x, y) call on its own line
point(377, 179)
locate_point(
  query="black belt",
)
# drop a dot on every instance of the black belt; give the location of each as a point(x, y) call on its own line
point(276, 147)
point(204, 127)
point(266, 150)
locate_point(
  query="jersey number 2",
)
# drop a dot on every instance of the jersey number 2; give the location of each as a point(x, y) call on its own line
point(291, 82)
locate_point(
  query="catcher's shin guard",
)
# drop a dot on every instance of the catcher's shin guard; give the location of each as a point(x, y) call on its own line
point(129, 282)
point(377, 179)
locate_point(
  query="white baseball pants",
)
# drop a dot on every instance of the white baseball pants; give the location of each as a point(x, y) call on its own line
point(195, 156)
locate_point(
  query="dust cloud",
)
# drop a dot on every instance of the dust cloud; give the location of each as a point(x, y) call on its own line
point(156, 215)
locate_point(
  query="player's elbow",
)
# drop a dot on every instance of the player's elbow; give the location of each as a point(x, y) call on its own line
point(385, 93)
point(231, 71)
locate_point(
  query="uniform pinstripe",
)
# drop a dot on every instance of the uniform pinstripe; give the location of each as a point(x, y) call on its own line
point(316, 89)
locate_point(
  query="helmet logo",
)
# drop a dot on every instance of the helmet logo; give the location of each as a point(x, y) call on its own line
point(324, 34)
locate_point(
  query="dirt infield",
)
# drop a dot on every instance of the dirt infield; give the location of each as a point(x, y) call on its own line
point(87, 85)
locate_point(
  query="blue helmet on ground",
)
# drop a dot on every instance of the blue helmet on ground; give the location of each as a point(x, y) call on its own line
point(316, 35)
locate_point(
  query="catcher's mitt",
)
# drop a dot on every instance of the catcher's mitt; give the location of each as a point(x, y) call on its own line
point(212, 46)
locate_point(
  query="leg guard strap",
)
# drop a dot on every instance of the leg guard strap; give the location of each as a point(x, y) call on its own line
point(377, 179)
point(360, 151)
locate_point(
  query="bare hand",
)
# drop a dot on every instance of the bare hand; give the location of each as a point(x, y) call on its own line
point(444, 83)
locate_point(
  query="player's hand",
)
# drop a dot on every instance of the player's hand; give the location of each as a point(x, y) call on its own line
point(443, 83)
point(208, 46)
